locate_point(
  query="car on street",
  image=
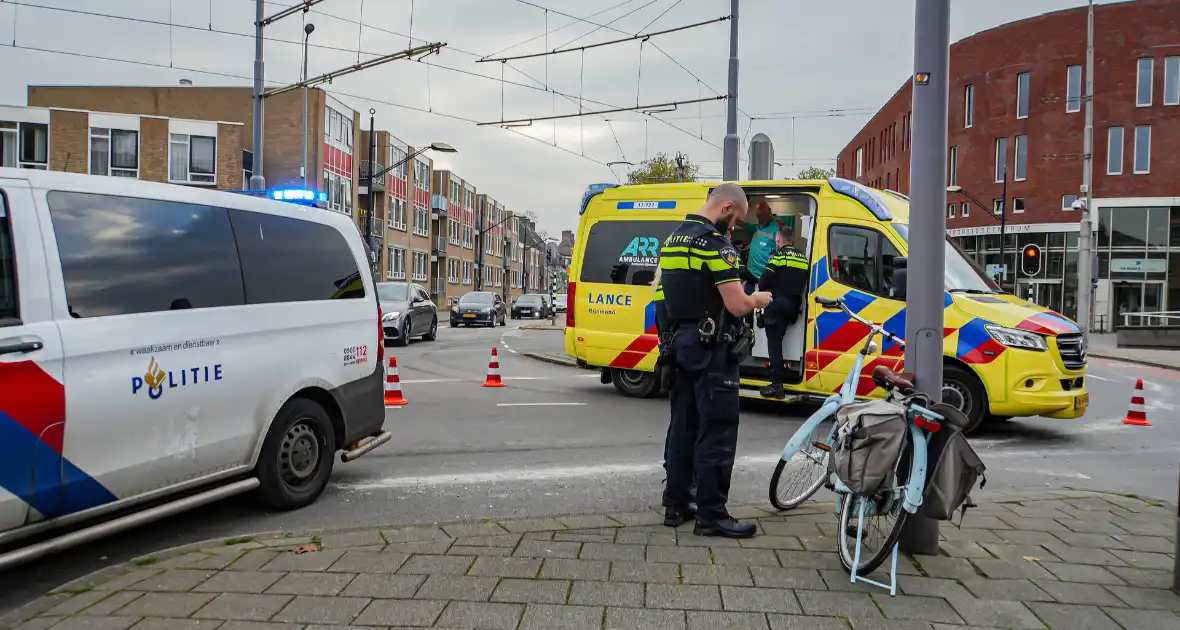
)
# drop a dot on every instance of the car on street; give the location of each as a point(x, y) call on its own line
point(482, 308)
point(559, 303)
point(406, 312)
point(167, 347)
point(530, 305)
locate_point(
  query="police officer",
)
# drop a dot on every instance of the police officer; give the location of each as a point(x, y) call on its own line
point(786, 278)
point(705, 306)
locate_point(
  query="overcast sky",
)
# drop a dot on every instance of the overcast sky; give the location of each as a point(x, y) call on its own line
point(796, 58)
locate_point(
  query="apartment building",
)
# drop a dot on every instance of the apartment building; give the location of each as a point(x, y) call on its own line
point(205, 153)
point(400, 197)
point(453, 204)
point(525, 260)
point(332, 128)
point(491, 217)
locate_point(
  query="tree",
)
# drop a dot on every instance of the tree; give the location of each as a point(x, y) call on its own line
point(660, 169)
point(815, 172)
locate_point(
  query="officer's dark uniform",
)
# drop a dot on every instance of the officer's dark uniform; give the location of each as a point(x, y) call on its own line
point(704, 396)
point(786, 279)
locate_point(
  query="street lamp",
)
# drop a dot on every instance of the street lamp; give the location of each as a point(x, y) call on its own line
point(1003, 220)
point(307, 31)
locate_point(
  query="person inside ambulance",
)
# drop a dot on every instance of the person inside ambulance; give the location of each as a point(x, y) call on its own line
point(785, 277)
point(762, 242)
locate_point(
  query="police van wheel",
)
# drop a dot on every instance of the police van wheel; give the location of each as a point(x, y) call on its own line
point(297, 456)
point(962, 390)
point(635, 384)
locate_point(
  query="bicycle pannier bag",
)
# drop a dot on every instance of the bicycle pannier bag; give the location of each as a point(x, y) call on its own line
point(954, 469)
point(867, 445)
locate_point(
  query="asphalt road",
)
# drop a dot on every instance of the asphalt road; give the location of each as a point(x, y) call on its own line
point(556, 441)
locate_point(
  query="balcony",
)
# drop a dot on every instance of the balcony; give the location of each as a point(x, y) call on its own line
point(438, 206)
point(438, 248)
point(363, 175)
point(438, 286)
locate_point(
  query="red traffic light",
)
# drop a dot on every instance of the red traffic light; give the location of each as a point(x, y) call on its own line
point(1031, 265)
point(1031, 251)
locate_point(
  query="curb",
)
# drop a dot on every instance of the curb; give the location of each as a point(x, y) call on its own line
point(261, 540)
point(1156, 364)
point(550, 359)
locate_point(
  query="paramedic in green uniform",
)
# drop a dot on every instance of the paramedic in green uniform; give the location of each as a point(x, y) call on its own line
point(762, 244)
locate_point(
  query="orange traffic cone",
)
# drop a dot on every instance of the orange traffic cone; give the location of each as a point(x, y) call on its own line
point(1137, 414)
point(393, 385)
point(493, 378)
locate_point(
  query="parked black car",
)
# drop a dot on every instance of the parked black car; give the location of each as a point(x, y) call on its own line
point(479, 307)
point(406, 311)
point(530, 305)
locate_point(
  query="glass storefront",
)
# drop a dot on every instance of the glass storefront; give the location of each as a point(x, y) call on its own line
point(1138, 250)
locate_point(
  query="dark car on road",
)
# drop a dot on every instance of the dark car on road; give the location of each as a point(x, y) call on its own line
point(479, 307)
point(530, 305)
point(406, 312)
point(559, 302)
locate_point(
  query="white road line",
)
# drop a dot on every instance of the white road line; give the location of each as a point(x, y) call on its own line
point(413, 381)
point(1100, 378)
point(1048, 473)
point(542, 404)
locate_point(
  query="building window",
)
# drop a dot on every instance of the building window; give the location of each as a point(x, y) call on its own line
point(452, 270)
point(1073, 89)
point(1171, 80)
point(421, 265)
point(421, 175)
point(467, 267)
point(1021, 173)
point(396, 265)
point(952, 177)
point(397, 213)
point(453, 230)
point(969, 106)
point(997, 207)
point(1143, 82)
point(114, 152)
point(950, 210)
point(1022, 95)
point(860, 161)
point(421, 220)
point(965, 209)
point(1067, 201)
point(24, 145)
point(1001, 159)
point(1114, 151)
point(1142, 164)
point(1017, 205)
point(192, 159)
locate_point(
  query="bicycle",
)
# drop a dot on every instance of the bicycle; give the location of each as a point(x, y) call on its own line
point(806, 442)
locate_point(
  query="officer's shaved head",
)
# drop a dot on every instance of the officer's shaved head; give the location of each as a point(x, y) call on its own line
point(726, 205)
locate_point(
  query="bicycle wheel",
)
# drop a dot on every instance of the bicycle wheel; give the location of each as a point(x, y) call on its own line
point(807, 472)
point(884, 518)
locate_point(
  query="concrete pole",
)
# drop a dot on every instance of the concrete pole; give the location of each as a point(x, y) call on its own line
point(925, 285)
point(732, 143)
point(307, 30)
point(257, 181)
point(1085, 281)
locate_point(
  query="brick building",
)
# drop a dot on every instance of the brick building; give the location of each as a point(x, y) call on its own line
point(1017, 116)
point(454, 227)
point(201, 153)
point(489, 256)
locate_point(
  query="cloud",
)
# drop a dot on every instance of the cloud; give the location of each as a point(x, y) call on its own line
point(852, 54)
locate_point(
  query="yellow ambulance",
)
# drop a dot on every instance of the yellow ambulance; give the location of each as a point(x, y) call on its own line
point(1004, 356)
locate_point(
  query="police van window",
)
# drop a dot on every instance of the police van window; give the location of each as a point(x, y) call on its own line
point(861, 258)
point(624, 252)
point(290, 260)
point(123, 255)
point(9, 313)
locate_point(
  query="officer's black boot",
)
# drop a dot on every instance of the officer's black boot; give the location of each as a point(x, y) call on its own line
point(675, 517)
point(727, 527)
point(774, 390)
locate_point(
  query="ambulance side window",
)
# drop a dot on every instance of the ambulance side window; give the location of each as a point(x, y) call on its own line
point(861, 258)
point(9, 311)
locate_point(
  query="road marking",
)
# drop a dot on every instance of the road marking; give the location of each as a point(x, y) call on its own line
point(1048, 473)
point(419, 381)
point(542, 404)
point(1100, 378)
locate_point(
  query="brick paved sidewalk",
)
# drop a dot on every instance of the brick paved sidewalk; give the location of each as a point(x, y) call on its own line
point(1062, 560)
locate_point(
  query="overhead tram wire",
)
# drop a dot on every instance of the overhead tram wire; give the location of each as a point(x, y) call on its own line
point(559, 28)
point(613, 21)
point(642, 36)
point(18, 3)
point(638, 108)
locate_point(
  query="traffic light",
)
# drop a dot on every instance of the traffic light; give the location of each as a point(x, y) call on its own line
point(1030, 260)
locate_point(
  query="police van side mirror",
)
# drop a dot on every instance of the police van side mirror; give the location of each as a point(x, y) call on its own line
point(900, 262)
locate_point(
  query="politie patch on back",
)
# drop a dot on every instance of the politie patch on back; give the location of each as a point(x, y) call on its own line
point(730, 256)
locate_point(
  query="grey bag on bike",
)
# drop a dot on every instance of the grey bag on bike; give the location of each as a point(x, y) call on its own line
point(955, 468)
point(869, 439)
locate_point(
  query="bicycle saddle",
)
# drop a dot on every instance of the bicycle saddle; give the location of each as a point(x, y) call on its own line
point(888, 378)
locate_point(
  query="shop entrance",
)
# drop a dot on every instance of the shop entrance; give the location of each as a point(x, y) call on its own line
point(1137, 297)
point(1047, 293)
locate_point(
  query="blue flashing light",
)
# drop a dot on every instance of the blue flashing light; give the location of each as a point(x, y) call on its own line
point(298, 195)
point(592, 190)
point(862, 194)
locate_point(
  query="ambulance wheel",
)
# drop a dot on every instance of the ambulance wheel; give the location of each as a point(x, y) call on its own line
point(635, 384)
point(963, 391)
point(297, 456)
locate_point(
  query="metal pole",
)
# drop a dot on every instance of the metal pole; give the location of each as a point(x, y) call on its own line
point(257, 181)
point(372, 195)
point(479, 238)
point(732, 143)
point(1085, 280)
point(925, 284)
point(307, 30)
point(1176, 554)
point(1004, 226)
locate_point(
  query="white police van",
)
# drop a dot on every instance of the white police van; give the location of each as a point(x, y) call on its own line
point(163, 347)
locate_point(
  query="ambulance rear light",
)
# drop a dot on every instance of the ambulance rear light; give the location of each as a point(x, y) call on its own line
point(569, 305)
